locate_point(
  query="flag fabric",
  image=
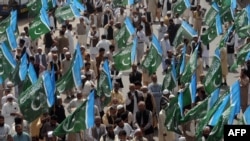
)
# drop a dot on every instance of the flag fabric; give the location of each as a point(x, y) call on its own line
point(122, 3)
point(226, 15)
point(185, 30)
point(224, 37)
point(200, 110)
point(246, 116)
point(38, 27)
point(192, 87)
point(180, 102)
point(76, 72)
point(81, 119)
point(79, 54)
point(242, 18)
point(235, 96)
point(34, 6)
point(66, 12)
point(133, 51)
point(23, 68)
point(190, 67)
point(244, 31)
point(4, 24)
point(13, 20)
point(53, 79)
point(30, 78)
point(79, 5)
point(213, 31)
point(169, 80)
point(48, 88)
point(154, 57)
point(242, 55)
point(33, 101)
point(247, 57)
point(180, 6)
point(104, 85)
point(7, 62)
point(213, 78)
point(122, 58)
point(212, 12)
point(11, 37)
point(183, 60)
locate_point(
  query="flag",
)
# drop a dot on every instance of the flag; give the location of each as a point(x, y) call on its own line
point(133, 51)
point(192, 87)
point(76, 72)
point(66, 12)
point(242, 55)
point(4, 24)
point(124, 33)
point(246, 116)
point(235, 96)
point(34, 7)
point(244, 31)
point(185, 30)
point(154, 57)
point(242, 18)
point(23, 68)
point(226, 15)
point(53, 79)
point(79, 54)
point(213, 78)
point(33, 101)
point(180, 6)
point(247, 57)
point(190, 67)
point(122, 3)
point(31, 77)
point(11, 37)
point(79, 5)
point(104, 85)
point(81, 119)
point(48, 88)
point(38, 27)
point(13, 20)
point(183, 58)
point(180, 102)
point(213, 31)
point(7, 62)
point(224, 37)
point(212, 12)
point(169, 80)
point(122, 58)
point(200, 110)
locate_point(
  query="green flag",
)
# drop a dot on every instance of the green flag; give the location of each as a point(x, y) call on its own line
point(4, 24)
point(122, 58)
point(26, 83)
point(190, 67)
point(213, 77)
point(34, 7)
point(241, 56)
point(209, 35)
point(226, 15)
point(118, 3)
point(241, 19)
point(33, 101)
point(122, 37)
point(38, 27)
point(64, 13)
point(180, 6)
point(212, 12)
point(169, 81)
point(244, 31)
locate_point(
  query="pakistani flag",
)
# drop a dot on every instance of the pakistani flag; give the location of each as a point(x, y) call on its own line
point(104, 84)
point(66, 12)
point(35, 6)
point(190, 67)
point(124, 33)
point(33, 101)
point(242, 18)
point(39, 26)
point(11, 37)
point(200, 110)
point(31, 77)
point(180, 6)
point(213, 31)
point(241, 56)
point(226, 15)
point(244, 31)
point(154, 57)
point(192, 87)
point(81, 119)
point(213, 78)
point(246, 116)
point(224, 37)
point(48, 88)
point(169, 81)
point(212, 12)
point(71, 78)
point(122, 3)
point(7, 62)
point(184, 31)
point(122, 58)
point(79, 5)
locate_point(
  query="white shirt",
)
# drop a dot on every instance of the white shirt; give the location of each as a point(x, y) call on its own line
point(127, 128)
point(142, 37)
point(51, 21)
point(7, 109)
point(165, 46)
point(4, 100)
point(4, 132)
point(74, 103)
point(88, 86)
point(103, 44)
point(161, 31)
point(70, 37)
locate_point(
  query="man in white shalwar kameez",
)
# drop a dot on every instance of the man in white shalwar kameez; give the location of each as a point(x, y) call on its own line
point(70, 35)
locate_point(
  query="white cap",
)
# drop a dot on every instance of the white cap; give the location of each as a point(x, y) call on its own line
point(165, 35)
point(120, 107)
point(67, 53)
point(83, 76)
point(169, 12)
point(10, 96)
point(9, 84)
point(182, 139)
point(144, 87)
point(200, 85)
point(172, 96)
point(137, 130)
point(54, 49)
point(166, 91)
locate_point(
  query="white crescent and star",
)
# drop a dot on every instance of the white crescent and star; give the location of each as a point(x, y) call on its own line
point(66, 125)
point(179, 8)
point(33, 106)
point(209, 38)
point(216, 85)
point(34, 7)
point(126, 61)
point(1, 68)
point(38, 31)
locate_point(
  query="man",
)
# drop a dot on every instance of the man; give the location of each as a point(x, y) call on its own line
point(141, 40)
point(110, 53)
point(10, 110)
point(48, 41)
point(110, 134)
point(121, 16)
point(135, 75)
point(97, 131)
point(20, 135)
point(146, 27)
point(162, 29)
point(91, 62)
point(109, 30)
point(139, 136)
point(155, 89)
point(87, 70)
point(144, 121)
point(48, 128)
point(110, 116)
point(40, 58)
point(125, 115)
point(117, 94)
point(76, 102)
point(81, 31)
point(99, 59)
point(4, 130)
point(56, 65)
point(172, 30)
point(103, 43)
point(123, 126)
point(62, 42)
point(165, 46)
point(87, 86)
point(70, 35)
point(93, 36)
point(133, 98)
point(230, 49)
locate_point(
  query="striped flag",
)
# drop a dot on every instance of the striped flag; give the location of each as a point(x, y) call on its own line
point(212, 12)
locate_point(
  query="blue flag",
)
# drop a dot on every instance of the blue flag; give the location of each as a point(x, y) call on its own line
point(214, 97)
point(47, 82)
point(78, 5)
point(192, 87)
point(44, 4)
point(23, 68)
point(1, 80)
point(76, 72)
point(235, 96)
point(53, 79)
point(233, 6)
point(173, 69)
point(75, 11)
point(131, 2)
point(32, 74)
point(231, 114)
point(107, 71)
point(246, 116)
point(219, 28)
point(183, 62)
point(180, 102)
point(90, 114)
point(44, 16)
point(248, 56)
point(54, 3)
point(247, 8)
point(218, 113)
point(129, 26)
point(191, 31)
point(11, 37)
point(133, 50)
point(13, 22)
point(79, 54)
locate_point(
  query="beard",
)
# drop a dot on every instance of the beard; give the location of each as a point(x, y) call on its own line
point(2, 124)
point(111, 135)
